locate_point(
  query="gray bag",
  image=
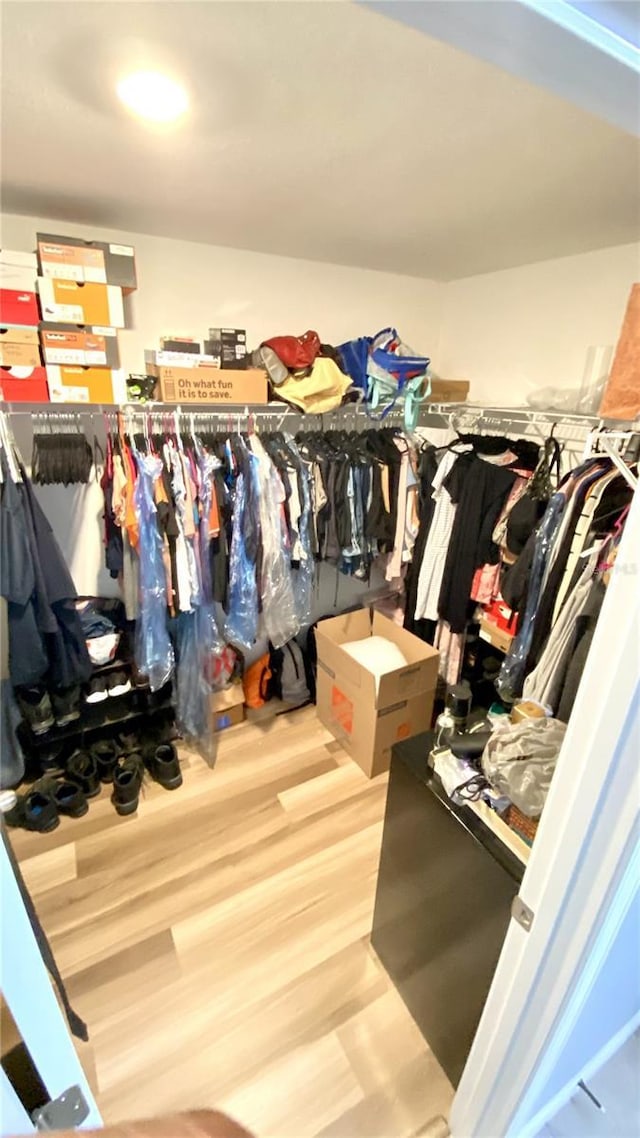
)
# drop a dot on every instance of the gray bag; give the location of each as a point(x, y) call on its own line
point(519, 761)
point(288, 674)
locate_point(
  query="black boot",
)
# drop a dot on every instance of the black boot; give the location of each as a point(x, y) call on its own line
point(70, 799)
point(105, 752)
point(164, 766)
point(127, 780)
point(82, 769)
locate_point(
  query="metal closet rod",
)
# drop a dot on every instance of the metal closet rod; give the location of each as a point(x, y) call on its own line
point(485, 414)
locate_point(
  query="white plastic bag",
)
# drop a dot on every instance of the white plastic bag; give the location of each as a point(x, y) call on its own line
point(519, 760)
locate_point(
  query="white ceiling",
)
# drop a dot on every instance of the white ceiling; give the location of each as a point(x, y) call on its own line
point(319, 130)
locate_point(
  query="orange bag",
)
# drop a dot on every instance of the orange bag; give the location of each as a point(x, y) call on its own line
point(255, 682)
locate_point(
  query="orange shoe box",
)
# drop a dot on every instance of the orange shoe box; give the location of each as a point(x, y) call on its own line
point(86, 346)
point(78, 302)
point(86, 384)
point(97, 262)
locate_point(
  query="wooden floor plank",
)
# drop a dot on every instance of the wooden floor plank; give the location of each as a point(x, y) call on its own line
point(217, 943)
point(44, 871)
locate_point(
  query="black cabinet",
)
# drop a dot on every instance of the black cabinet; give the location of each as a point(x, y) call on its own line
point(443, 902)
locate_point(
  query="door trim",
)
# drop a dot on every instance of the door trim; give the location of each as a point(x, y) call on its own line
point(582, 848)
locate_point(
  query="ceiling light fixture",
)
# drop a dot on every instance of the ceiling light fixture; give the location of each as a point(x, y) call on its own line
point(153, 96)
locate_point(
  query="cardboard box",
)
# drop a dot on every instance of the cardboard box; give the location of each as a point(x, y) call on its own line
point(24, 385)
point(96, 262)
point(166, 358)
point(449, 391)
point(621, 395)
point(84, 345)
point(86, 384)
point(210, 385)
point(368, 719)
point(18, 271)
point(230, 344)
point(226, 707)
point(18, 307)
point(75, 302)
point(492, 633)
point(19, 347)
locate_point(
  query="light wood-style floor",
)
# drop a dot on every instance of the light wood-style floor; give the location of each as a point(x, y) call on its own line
point(217, 944)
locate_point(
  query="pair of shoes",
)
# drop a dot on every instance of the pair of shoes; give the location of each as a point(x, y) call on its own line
point(163, 765)
point(41, 807)
point(66, 705)
point(36, 708)
point(42, 710)
point(101, 687)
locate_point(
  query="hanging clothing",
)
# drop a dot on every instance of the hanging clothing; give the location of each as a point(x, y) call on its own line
point(154, 652)
point(479, 489)
point(583, 632)
point(545, 683)
point(513, 671)
point(427, 467)
point(46, 640)
point(436, 547)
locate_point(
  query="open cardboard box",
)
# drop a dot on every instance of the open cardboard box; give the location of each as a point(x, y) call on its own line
point(226, 707)
point(367, 717)
point(210, 385)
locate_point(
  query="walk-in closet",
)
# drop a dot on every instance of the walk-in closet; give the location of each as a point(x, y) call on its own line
point(319, 531)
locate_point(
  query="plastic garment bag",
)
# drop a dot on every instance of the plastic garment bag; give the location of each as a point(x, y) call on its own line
point(189, 585)
point(241, 626)
point(279, 616)
point(511, 676)
point(207, 464)
point(303, 575)
point(192, 687)
point(154, 653)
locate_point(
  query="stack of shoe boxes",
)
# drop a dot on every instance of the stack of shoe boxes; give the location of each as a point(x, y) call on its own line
point(22, 376)
point(80, 288)
point(219, 374)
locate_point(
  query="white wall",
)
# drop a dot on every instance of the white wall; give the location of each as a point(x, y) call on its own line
point(506, 332)
point(521, 329)
point(184, 288)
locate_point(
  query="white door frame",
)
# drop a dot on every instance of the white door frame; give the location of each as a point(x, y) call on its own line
point(13, 1117)
point(577, 881)
point(28, 991)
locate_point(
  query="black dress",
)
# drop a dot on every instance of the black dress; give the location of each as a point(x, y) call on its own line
point(480, 490)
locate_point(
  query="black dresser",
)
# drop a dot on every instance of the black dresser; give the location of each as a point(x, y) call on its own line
point(445, 887)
